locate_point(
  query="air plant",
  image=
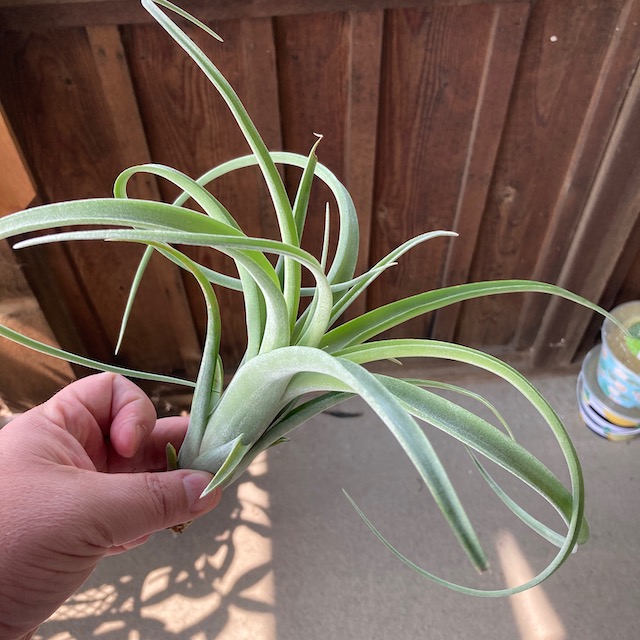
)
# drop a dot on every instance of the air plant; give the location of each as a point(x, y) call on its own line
point(299, 361)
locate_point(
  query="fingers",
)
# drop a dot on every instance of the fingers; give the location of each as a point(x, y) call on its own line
point(132, 418)
point(115, 422)
point(151, 455)
point(127, 507)
point(102, 405)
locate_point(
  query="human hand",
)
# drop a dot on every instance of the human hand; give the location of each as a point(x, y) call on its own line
point(81, 477)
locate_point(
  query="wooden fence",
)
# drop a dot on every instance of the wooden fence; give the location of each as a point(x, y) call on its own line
point(515, 123)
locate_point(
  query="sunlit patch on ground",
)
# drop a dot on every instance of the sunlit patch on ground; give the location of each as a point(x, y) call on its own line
point(179, 613)
point(533, 612)
point(229, 592)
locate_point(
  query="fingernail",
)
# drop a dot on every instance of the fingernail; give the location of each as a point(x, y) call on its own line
point(141, 432)
point(140, 435)
point(194, 484)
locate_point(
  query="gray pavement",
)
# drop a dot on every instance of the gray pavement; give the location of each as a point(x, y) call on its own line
point(285, 557)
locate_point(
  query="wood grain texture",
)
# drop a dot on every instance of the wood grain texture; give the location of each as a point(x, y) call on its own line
point(619, 62)
point(74, 152)
point(130, 140)
point(624, 283)
point(314, 49)
point(565, 48)
point(117, 89)
point(190, 128)
point(610, 217)
point(432, 70)
point(361, 137)
point(17, 14)
point(34, 76)
point(26, 377)
point(502, 54)
point(16, 186)
point(511, 122)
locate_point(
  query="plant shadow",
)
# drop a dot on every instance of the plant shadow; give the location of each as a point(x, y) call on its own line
point(198, 584)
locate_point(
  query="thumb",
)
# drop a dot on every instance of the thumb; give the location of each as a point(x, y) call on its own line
point(129, 506)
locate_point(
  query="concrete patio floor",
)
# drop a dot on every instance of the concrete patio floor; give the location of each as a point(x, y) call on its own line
point(285, 557)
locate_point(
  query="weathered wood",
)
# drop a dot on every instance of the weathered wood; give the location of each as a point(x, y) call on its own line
point(618, 65)
point(316, 49)
point(565, 48)
point(259, 93)
point(435, 113)
point(16, 14)
point(26, 377)
point(611, 215)
point(113, 73)
point(502, 54)
point(190, 128)
point(428, 109)
point(39, 70)
point(16, 187)
point(73, 150)
point(363, 101)
point(131, 143)
point(623, 285)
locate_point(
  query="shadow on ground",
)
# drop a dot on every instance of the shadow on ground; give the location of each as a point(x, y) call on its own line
point(192, 585)
point(285, 557)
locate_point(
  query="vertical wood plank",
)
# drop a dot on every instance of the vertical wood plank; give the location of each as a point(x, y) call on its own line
point(611, 215)
point(418, 107)
point(73, 151)
point(433, 64)
point(365, 58)
point(131, 143)
point(618, 65)
point(260, 95)
point(501, 59)
point(49, 269)
point(189, 127)
point(566, 45)
point(16, 186)
point(26, 377)
point(113, 74)
point(623, 285)
point(313, 67)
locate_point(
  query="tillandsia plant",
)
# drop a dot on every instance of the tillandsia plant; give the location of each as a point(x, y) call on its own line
point(299, 361)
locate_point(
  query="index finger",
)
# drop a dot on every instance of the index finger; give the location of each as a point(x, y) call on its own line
point(151, 454)
point(103, 407)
